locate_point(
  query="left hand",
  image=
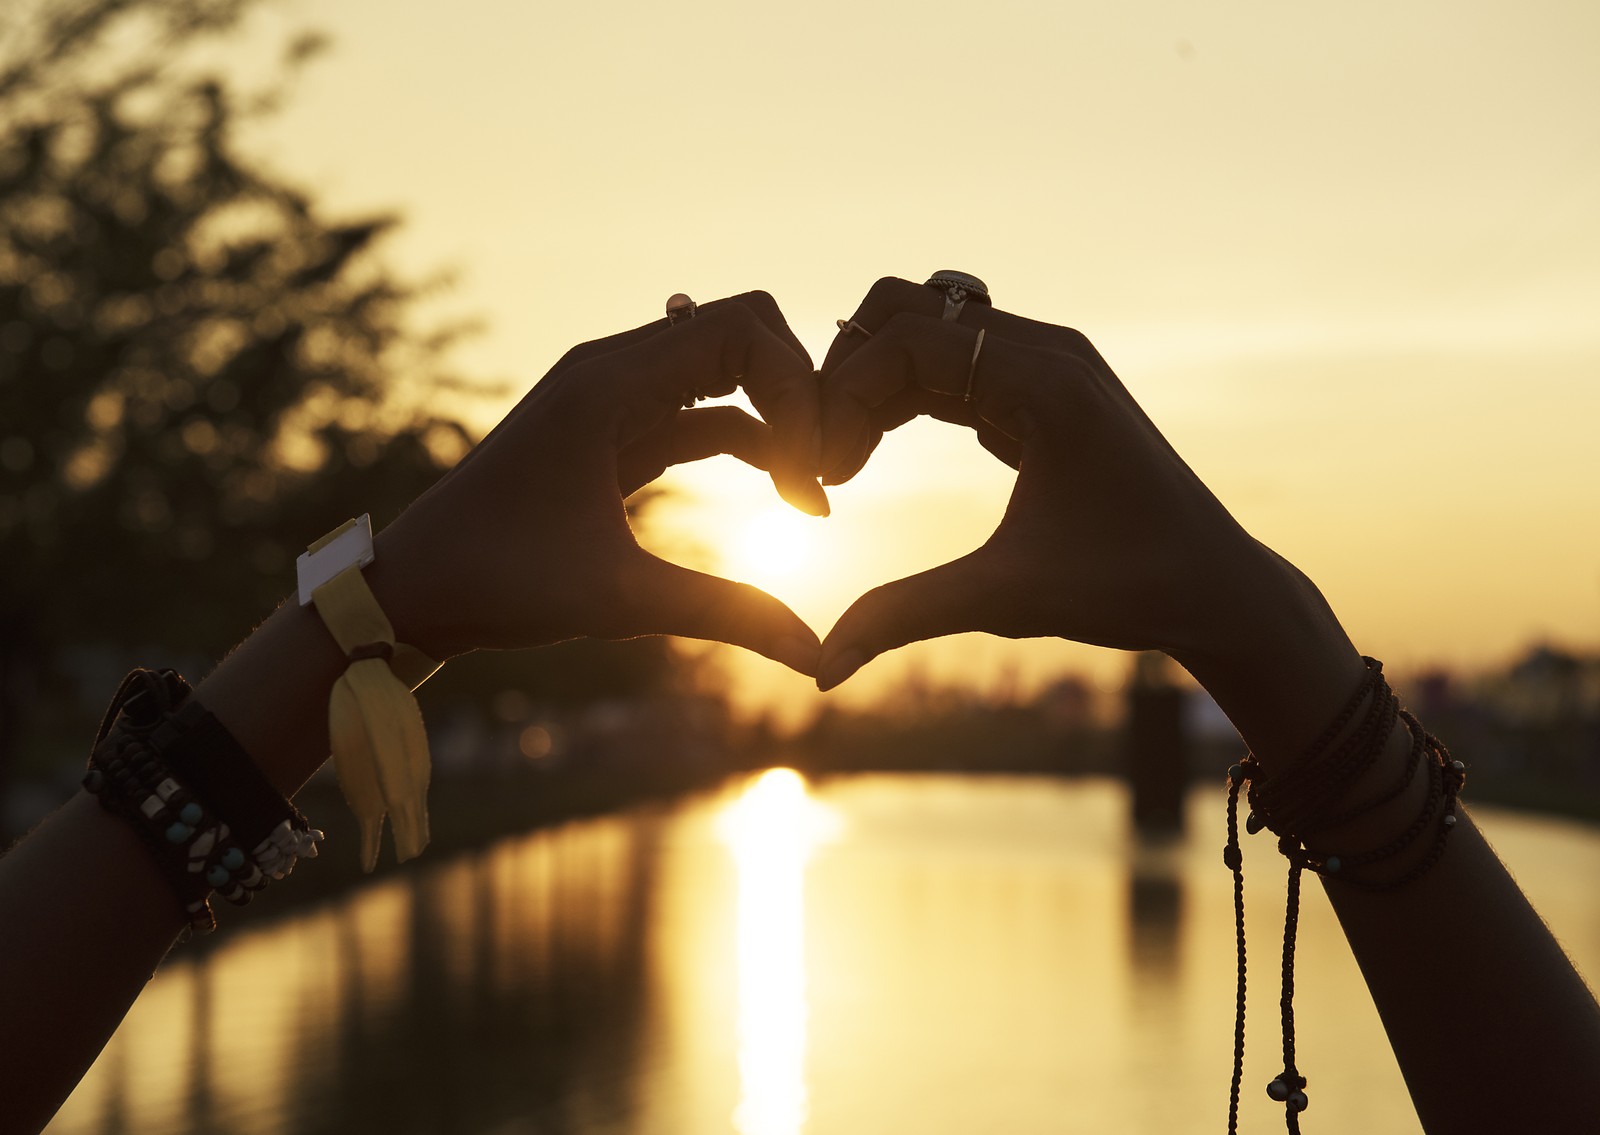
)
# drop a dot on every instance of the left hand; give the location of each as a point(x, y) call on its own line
point(1109, 537)
point(526, 541)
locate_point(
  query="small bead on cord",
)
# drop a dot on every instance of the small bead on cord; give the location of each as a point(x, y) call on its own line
point(1293, 806)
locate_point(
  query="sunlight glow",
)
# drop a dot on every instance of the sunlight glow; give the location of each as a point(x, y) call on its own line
point(775, 545)
point(771, 830)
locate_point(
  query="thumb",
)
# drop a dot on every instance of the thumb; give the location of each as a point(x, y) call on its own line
point(670, 599)
point(945, 600)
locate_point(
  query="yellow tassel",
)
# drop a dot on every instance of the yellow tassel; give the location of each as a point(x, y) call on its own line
point(357, 768)
point(380, 746)
point(398, 744)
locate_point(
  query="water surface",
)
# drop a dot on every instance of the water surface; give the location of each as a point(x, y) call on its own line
point(939, 954)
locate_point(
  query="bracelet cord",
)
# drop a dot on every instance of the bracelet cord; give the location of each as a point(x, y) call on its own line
point(1295, 806)
point(212, 820)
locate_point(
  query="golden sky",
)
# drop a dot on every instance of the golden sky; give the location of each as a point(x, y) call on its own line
point(1347, 256)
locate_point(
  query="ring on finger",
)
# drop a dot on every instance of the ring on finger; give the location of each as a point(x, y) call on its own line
point(958, 288)
point(972, 371)
point(680, 308)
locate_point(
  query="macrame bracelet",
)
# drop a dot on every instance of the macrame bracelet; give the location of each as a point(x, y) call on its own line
point(380, 747)
point(1297, 804)
point(175, 773)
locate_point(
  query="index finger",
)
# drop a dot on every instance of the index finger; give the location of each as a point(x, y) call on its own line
point(758, 303)
point(722, 348)
point(851, 422)
point(892, 296)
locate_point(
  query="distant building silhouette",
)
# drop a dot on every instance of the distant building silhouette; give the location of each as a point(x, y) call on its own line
point(1156, 745)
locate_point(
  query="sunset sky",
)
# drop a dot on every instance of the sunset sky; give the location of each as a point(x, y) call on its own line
point(1348, 257)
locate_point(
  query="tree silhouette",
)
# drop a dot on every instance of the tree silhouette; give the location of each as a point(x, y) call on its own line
point(198, 371)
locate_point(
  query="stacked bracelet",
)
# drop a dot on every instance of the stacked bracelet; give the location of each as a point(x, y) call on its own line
point(171, 769)
point(1297, 804)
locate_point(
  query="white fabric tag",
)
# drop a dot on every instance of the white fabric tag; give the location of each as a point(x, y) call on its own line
point(353, 545)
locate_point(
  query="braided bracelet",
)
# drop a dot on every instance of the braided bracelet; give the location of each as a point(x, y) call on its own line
point(214, 823)
point(1295, 805)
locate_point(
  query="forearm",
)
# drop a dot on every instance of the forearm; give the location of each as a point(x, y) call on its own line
point(1491, 1025)
point(88, 916)
point(524, 543)
point(272, 692)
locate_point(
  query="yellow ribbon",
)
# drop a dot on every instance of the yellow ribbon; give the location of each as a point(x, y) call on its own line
point(380, 747)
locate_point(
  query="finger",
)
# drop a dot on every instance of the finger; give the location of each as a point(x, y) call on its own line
point(766, 309)
point(849, 430)
point(893, 412)
point(890, 414)
point(855, 400)
point(787, 396)
point(1011, 386)
point(891, 296)
point(712, 354)
point(710, 431)
point(677, 601)
point(845, 451)
point(904, 405)
point(693, 435)
point(957, 411)
point(945, 600)
point(760, 304)
point(1007, 449)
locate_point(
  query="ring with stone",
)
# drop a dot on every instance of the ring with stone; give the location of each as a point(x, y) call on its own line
point(958, 288)
point(679, 308)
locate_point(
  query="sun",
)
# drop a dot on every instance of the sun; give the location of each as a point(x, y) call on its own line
point(775, 544)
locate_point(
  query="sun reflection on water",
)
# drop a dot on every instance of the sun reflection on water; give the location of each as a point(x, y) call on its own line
point(771, 831)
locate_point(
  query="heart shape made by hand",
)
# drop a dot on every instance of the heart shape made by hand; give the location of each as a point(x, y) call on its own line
point(1108, 538)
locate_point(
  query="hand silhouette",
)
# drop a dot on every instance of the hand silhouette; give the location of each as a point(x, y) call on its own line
point(526, 540)
point(1109, 538)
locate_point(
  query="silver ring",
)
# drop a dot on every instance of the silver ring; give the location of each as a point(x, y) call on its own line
point(972, 371)
point(679, 308)
point(850, 326)
point(958, 288)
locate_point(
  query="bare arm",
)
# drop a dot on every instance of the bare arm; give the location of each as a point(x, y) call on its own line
point(87, 916)
point(525, 542)
point(1493, 1028)
point(1109, 538)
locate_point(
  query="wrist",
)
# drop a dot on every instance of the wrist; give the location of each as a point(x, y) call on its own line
point(1284, 669)
point(403, 578)
point(294, 655)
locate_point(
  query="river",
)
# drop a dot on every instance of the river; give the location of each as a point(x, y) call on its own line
point(872, 954)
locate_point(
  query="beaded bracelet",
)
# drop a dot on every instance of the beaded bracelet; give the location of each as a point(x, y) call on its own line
point(171, 769)
point(1295, 805)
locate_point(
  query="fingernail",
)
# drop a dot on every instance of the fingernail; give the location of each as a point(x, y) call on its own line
point(842, 666)
point(807, 496)
point(821, 498)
